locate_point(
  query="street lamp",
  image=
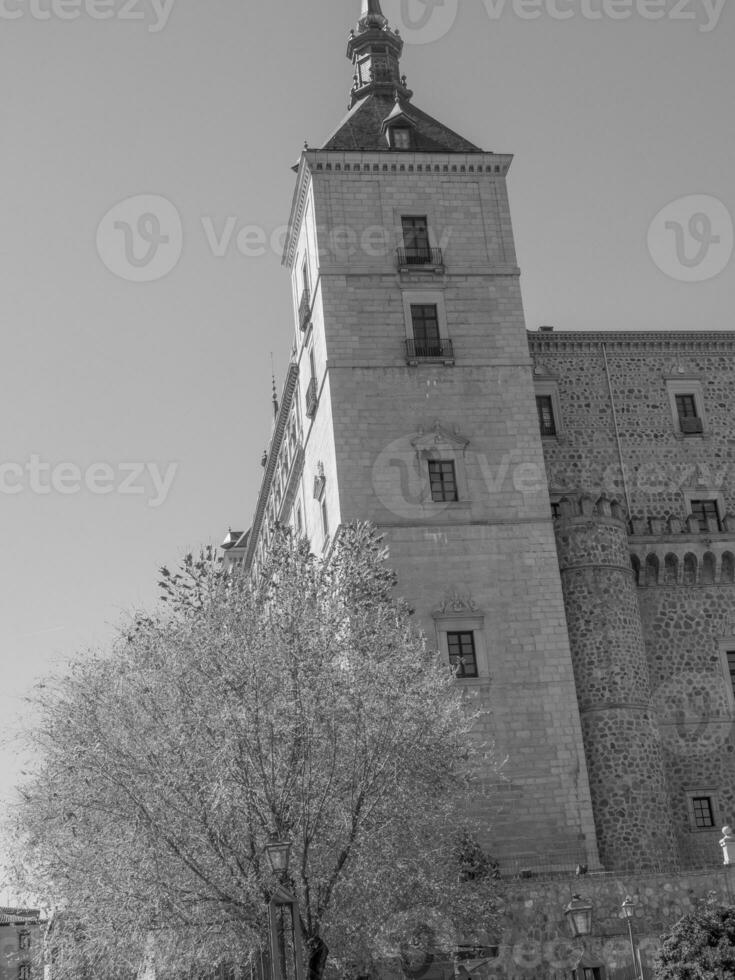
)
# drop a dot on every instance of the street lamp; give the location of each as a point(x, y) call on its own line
point(628, 913)
point(279, 854)
point(283, 916)
point(579, 916)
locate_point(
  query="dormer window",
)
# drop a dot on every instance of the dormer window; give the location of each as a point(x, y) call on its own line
point(400, 138)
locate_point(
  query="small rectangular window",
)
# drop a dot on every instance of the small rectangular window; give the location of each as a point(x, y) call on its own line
point(545, 407)
point(703, 812)
point(443, 480)
point(24, 971)
point(24, 939)
point(706, 511)
point(425, 321)
point(731, 667)
point(325, 519)
point(462, 656)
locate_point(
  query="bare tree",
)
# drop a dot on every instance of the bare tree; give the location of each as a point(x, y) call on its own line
point(303, 706)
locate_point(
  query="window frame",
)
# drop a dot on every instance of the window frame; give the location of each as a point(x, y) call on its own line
point(413, 249)
point(464, 621)
point(406, 131)
point(693, 795)
point(425, 297)
point(549, 388)
point(686, 385)
point(726, 647)
point(432, 464)
point(705, 496)
point(461, 655)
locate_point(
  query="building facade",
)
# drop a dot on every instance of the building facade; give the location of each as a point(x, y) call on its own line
point(557, 506)
point(21, 944)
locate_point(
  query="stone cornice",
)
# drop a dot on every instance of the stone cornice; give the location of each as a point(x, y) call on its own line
point(298, 206)
point(359, 162)
point(271, 461)
point(663, 341)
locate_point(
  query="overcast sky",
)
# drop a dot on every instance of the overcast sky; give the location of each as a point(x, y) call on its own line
point(134, 413)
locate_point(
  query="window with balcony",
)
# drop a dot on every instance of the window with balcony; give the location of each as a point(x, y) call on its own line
point(462, 655)
point(417, 249)
point(426, 338)
point(443, 480)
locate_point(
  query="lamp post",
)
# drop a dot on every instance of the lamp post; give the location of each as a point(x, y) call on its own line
point(278, 854)
point(579, 916)
point(628, 913)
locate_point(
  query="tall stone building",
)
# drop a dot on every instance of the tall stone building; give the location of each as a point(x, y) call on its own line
point(556, 506)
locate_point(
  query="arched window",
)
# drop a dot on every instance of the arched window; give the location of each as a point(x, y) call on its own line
point(728, 568)
point(636, 566)
point(690, 569)
point(652, 567)
point(708, 569)
point(671, 570)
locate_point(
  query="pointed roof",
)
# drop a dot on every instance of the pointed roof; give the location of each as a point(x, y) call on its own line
point(363, 128)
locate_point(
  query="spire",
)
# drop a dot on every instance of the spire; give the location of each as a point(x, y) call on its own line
point(372, 15)
point(375, 51)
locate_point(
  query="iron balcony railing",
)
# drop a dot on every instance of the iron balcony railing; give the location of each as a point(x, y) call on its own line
point(312, 399)
point(420, 256)
point(305, 309)
point(434, 350)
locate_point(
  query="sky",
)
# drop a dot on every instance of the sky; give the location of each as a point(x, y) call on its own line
point(135, 390)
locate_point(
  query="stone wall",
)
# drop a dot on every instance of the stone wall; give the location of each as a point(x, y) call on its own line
point(532, 940)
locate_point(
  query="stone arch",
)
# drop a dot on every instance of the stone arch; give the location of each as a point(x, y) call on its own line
point(690, 569)
point(727, 575)
point(635, 564)
point(709, 567)
point(652, 569)
point(671, 569)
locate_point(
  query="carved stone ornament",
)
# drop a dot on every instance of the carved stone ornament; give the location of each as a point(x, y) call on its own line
point(456, 602)
point(439, 437)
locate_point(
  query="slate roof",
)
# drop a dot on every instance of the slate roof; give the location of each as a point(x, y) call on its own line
point(361, 129)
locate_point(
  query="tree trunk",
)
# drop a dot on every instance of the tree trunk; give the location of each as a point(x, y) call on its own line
point(318, 953)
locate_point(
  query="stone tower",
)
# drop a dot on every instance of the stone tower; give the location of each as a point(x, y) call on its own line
point(409, 402)
point(621, 737)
